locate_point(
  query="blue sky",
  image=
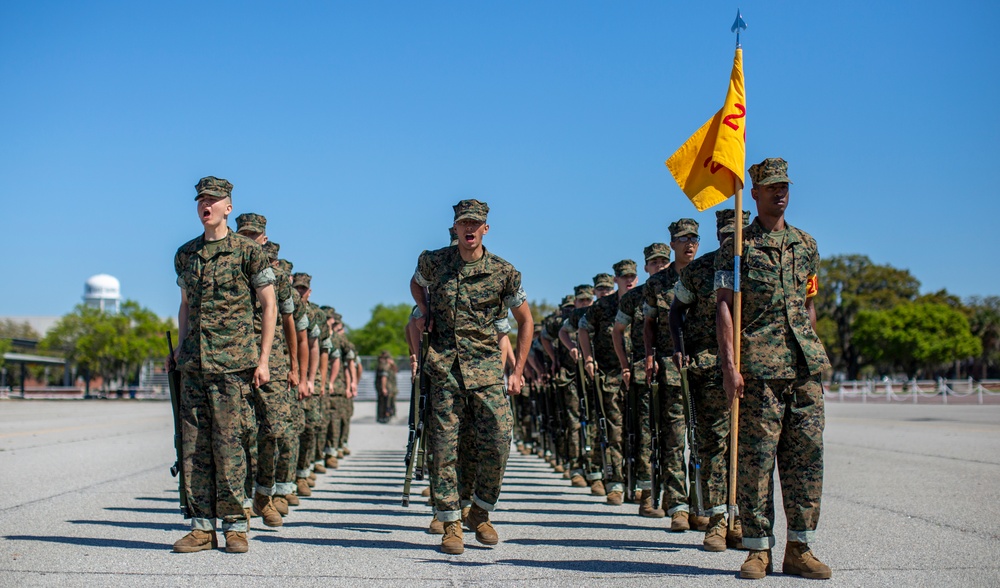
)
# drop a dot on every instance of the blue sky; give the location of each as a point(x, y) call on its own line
point(354, 126)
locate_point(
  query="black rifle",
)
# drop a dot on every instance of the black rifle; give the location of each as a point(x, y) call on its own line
point(602, 423)
point(585, 441)
point(416, 441)
point(174, 383)
point(654, 435)
point(631, 439)
point(692, 428)
point(536, 415)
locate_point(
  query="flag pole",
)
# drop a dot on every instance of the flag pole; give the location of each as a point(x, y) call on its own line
point(734, 415)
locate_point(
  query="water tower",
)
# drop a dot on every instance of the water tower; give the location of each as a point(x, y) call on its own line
point(102, 292)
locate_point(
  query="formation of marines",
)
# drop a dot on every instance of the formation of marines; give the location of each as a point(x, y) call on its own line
point(268, 377)
point(626, 388)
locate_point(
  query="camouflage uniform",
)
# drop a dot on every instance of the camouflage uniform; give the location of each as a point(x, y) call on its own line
point(323, 407)
point(382, 370)
point(585, 463)
point(564, 385)
point(311, 405)
point(339, 424)
point(659, 294)
point(217, 358)
point(782, 359)
point(465, 369)
point(288, 444)
point(696, 289)
point(599, 321)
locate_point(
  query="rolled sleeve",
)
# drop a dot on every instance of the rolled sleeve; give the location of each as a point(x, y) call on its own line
point(303, 323)
point(287, 306)
point(724, 280)
point(623, 319)
point(516, 299)
point(502, 325)
point(683, 294)
point(648, 311)
point(264, 277)
point(585, 324)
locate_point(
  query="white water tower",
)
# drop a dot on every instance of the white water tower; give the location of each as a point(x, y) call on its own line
point(102, 292)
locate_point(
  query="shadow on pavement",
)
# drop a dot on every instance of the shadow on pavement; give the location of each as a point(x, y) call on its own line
point(352, 543)
point(612, 567)
point(175, 511)
point(137, 525)
point(92, 542)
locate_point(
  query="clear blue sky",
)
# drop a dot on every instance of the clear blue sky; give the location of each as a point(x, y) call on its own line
point(354, 126)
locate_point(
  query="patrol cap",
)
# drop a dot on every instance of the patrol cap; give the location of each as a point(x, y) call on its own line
point(301, 279)
point(385, 353)
point(328, 311)
point(452, 236)
point(249, 221)
point(583, 292)
point(772, 170)
point(654, 250)
point(724, 220)
point(604, 281)
point(472, 209)
point(271, 249)
point(684, 226)
point(338, 318)
point(214, 187)
point(625, 267)
point(567, 301)
point(285, 266)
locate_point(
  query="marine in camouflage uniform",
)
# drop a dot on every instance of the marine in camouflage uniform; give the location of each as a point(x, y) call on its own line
point(287, 448)
point(323, 405)
point(382, 375)
point(692, 313)
point(312, 418)
point(220, 357)
point(563, 382)
point(629, 347)
point(340, 386)
point(781, 363)
point(659, 294)
point(601, 365)
point(468, 288)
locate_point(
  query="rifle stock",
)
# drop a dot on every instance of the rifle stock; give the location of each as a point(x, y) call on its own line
point(416, 440)
point(654, 435)
point(177, 470)
point(692, 427)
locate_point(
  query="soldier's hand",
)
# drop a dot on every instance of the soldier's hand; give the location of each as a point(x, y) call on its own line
point(627, 377)
point(293, 377)
point(303, 390)
point(589, 368)
point(651, 367)
point(514, 384)
point(261, 375)
point(679, 360)
point(574, 354)
point(732, 383)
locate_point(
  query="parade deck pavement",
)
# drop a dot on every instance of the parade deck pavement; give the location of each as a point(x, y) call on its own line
point(86, 499)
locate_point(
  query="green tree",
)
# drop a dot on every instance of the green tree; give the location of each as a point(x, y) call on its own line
point(5, 346)
point(915, 336)
point(384, 331)
point(540, 310)
point(984, 319)
point(11, 329)
point(849, 284)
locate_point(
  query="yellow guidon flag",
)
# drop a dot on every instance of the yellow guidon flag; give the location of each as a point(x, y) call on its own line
point(708, 166)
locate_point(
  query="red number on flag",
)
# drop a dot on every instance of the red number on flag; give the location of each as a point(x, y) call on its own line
point(715, 166)
point(728, 120)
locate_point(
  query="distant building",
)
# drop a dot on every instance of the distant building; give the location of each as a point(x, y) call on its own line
point(103, 292)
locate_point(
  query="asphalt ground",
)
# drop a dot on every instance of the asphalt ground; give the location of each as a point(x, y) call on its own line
point(86, 499)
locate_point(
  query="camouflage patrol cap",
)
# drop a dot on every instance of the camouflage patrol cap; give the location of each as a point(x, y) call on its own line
point(452, 236)
point(583, 292)
point(213, 186)
point(567, 301)
point(772, 170)
point(328, 311)
point(301, 279)
point(603, 281)
point(285, 266)
point(684, 226)
point(338, 318)
point(654, 250)
point(724, 220)
point(472, 209)
point(625, 267)
point(249, 221)
point(271, 249)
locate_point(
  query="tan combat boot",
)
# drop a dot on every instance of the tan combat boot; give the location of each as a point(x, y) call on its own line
point(280, 505)
point(426, 492)
point(479, 521)
point(263, 506)
point(615, 498)
point(319, 468)
point(236, 542)
point(800, 561)
point(715, 536)
point(293, 499)
point(577, 481)
point(340, 454)
point(196, 540)
point(757, 565)
point(734, 536)
point(436, 527)
point(559, 468)
point(697, 522)
point(452, 541)
point(646, 506)
point(679, 522)
point(331, 461)
point(597, 488)
point(302, 486)
point(346, 451)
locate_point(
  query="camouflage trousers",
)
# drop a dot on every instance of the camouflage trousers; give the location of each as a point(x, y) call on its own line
point(273, 404)
point(345, 422)
point(319, 425)
point(313, 416)
point(672, 429)
point(216, 418)
point(487, 411)
point(643, 477)
point(712, 418)
point(780, 420)
point(340, 409)
point(614, 409)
